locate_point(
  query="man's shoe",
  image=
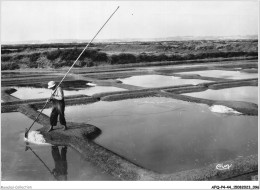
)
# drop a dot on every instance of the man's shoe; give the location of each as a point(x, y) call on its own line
point(65, 128)
point(50, 129)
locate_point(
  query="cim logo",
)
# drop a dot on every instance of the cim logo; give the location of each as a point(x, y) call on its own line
point(223, 167)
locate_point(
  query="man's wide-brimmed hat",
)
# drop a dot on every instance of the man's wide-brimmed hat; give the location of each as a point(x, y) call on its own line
point(51, 84)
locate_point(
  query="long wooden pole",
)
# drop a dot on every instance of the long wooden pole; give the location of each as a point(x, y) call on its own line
point(26, 131)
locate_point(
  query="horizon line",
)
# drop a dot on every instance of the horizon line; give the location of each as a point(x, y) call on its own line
point(173, 38)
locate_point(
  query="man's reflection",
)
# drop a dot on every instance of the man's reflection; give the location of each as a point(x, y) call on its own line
point(61, 166)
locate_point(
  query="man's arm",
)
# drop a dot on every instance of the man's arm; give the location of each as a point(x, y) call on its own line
point(58, 95)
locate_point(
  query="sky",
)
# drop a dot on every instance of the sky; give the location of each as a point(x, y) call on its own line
point(56, 20)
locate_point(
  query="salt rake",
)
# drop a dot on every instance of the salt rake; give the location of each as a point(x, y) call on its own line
point(27, 130)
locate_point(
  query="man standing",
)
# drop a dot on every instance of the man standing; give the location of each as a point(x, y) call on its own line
point(58, 106)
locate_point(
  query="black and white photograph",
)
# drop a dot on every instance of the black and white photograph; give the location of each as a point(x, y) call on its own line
point(129, 94)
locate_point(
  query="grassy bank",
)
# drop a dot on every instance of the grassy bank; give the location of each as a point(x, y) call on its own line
point(60, 55)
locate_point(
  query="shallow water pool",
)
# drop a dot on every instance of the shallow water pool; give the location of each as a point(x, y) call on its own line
point(34, 93)
point(20, 165)
point(167, 135)
point(223, 74)
point(246, 93)
point(159, 81)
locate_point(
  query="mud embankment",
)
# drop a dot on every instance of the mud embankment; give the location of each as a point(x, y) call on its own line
point(139, 92)
point(136, 53)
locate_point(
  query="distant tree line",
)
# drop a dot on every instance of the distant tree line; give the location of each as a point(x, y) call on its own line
point(91, 57)
point(22, 47)
point(125, 58)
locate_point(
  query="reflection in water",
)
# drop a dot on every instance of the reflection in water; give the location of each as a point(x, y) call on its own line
point(167, 135)
point(20, 165)
point(60, 171)
point(61, 166)
point(29, 148)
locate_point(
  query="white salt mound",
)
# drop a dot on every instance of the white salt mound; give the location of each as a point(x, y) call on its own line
point(91, 84)
point(36, 138)
point(223, 109)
